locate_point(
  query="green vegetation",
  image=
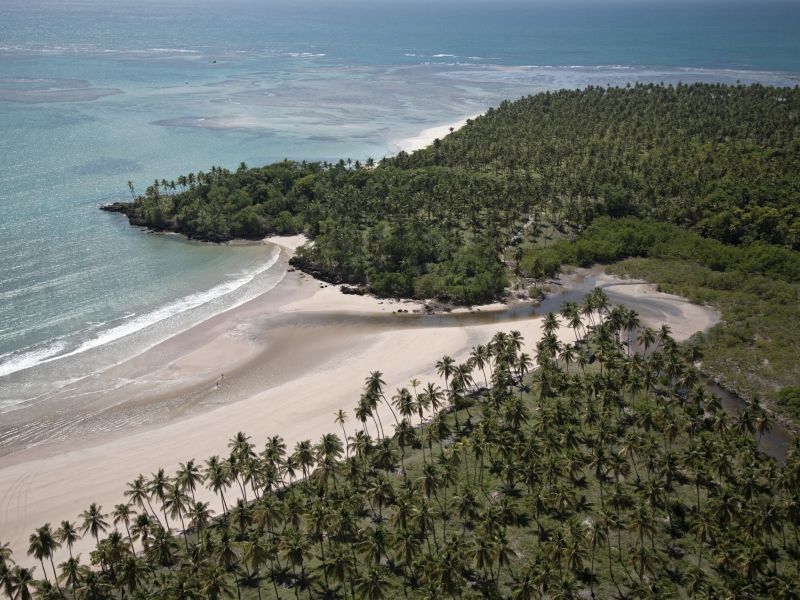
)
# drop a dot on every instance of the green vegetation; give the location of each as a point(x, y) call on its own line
point(602, 472)
point(721, 160)
point(756, 288)
point(788, 398)
point(754, 350)
point(437, 223)
point(571, 177)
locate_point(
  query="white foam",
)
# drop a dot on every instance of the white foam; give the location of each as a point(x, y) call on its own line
point(305, 54)
point(175, 50)
point(170, 310)
point(21, 362)
point(134, 323)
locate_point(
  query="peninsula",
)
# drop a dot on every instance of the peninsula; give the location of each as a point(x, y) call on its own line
point(479, 454)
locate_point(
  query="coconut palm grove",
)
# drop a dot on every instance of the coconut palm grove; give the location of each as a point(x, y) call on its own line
point(606, 471)
point(597, 466)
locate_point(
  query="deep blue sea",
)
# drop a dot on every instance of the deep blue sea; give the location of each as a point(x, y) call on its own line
point(94, 93)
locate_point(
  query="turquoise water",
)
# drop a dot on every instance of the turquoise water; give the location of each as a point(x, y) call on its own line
point(93, 94)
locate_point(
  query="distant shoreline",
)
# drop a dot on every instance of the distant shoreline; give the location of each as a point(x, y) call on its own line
point(426, 137)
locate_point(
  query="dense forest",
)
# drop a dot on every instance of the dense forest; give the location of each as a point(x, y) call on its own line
point(723, 161)
point(533, 185)
point(606, 472)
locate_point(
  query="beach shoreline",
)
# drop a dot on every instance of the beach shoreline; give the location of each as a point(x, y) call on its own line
point(279, 364)
point(306, 351)
point(426, 137)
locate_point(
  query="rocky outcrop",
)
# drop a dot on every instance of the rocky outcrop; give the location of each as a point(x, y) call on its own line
point(128, 209)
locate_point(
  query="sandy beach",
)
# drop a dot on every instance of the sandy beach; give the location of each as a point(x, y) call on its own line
point(291, 358)
point(427, 136)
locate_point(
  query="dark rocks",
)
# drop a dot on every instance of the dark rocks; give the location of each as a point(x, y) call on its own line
point(353, 291)
point(118, 207)
point(128, 209)
point(311, 269)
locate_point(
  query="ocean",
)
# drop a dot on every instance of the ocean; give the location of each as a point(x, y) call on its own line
point(94, 93)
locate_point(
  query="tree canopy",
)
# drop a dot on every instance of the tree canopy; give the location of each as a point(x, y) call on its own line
point(604, 472)
point(723, 161)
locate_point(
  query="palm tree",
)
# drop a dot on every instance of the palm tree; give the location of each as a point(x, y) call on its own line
point(341, 563)
point(406, 435)
point(295, 547)
point(161, 549)
point(132, 573)
point(94, 587)
point(304, 457)
point(67, 534)
point(6, 572)
point(188, 477)
point(199, 516)
point(550, 324)
point(479, 358)
point(503, 551)
point(257, 556)
point(525, 586)
point(21, 583)
point(405, 404)
point(373, 387)
point(47, 591)
point(372, 585)
point(434, 395)
point(157, 488)
point(595, 534)
point(217, 476)
point(362, 412)
point(72, 573)
point(445, 368)
point(340, 419)
point(94, 521)
point(43, 544)
point(176, 502)
point(374, 544)
point(123, 513)
point(138, 495)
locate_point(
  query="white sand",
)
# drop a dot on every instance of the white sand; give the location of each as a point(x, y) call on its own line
point(656, 308)
point(284, 379)
point(427, 136)
point(288, 242)
point(51, 484)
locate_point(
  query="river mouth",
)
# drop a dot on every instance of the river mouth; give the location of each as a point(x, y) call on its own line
point(775, 443)
point(267, 332)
